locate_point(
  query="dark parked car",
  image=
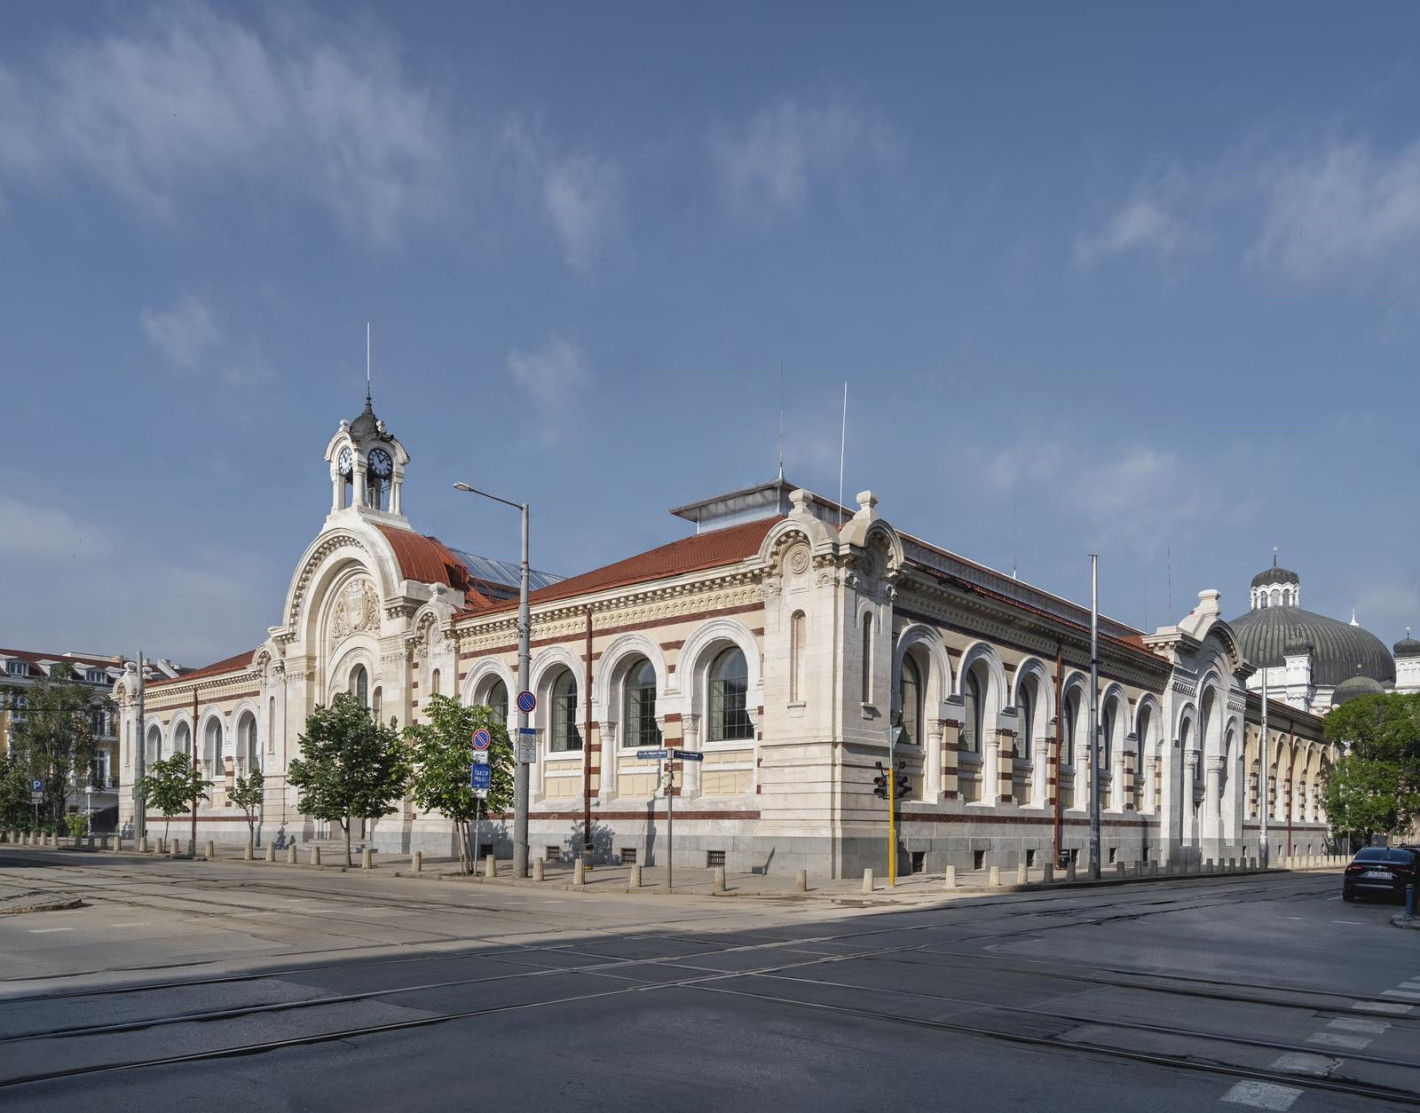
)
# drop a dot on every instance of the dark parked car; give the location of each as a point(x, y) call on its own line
point(1379, 869)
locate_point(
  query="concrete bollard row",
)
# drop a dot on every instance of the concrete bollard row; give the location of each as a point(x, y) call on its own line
point(367, 859)
point(993, 877)
point(315, 855)
point(719, 880)
point(1047, 874)
point(579, 872)
point(635, 882)
point(211, 850)
point(1070, 870)
point(490, 866)
point(867, 881)
point(1022, 876)
point(291, 854)
point(801, 881)
point(417, 861)
point(538, 867)
point(271, 852)
point(247, 852)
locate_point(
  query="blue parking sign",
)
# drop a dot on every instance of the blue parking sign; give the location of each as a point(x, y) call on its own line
point(481, 778)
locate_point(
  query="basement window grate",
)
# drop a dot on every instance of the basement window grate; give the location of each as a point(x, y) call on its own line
point(628, 855)
point(714, 858)
point(554, 854)
point(978, 859)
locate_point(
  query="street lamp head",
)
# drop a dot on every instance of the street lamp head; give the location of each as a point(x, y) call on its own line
point(463, 487)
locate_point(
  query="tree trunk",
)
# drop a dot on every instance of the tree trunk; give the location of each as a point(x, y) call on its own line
point(346, 825)
point(461, 826)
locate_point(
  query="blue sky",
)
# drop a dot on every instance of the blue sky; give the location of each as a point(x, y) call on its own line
point(1100, 278)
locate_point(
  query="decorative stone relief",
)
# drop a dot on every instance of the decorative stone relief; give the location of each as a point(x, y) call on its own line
point(356, 611)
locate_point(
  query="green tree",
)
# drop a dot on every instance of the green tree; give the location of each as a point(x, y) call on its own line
point(172, 787)
point(56, 737)
point(247, 794)
point(16, 810)
point(1375, 789)
point(440, 753)
point(1366, 797)
point(351, 767)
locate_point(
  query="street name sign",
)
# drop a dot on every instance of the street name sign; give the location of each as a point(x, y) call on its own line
point(687, 755)
point(651, 755)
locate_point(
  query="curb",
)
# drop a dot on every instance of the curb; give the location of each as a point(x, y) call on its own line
point(49, 906)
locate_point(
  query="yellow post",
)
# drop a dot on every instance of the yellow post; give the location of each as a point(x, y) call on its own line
point(892, 828)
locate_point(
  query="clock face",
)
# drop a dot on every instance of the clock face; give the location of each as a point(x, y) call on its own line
point(381, 464)
point(346, 462)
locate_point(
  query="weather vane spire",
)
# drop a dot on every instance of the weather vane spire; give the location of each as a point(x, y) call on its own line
point(367, 363)
point(1274, 556)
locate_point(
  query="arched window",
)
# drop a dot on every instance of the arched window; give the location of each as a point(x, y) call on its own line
point(153, 750)
point(974, 710)
point(1025, 722)
point(867, 658)
point(248, 754)
point(434, 683)
point(212, 747)
point(909, 695)
point(1276, 597)
point(1107, 742)
point(641, 729)
point(182, 739)
point(797, 625)
point(497, 700)
point(565, 733)
point(1072, 723)
point(360, 685)
point(729, 698)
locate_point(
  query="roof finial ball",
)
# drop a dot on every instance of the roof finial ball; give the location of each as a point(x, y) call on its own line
point(1274, 556)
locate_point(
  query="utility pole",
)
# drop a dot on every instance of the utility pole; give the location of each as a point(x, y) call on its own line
point(1263, 804)
point(520, 767)
point(1094, 716)
point(140, 766)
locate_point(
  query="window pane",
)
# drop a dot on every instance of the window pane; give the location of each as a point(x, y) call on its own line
point(910, 698)
point(971, 708)
point(498, 701)
point(641, 729)
point(729, 697)
point(565, 733)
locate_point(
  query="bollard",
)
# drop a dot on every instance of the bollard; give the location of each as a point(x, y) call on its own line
point(143, 844)
point(417, 861)
point(719, 880)
point(1048, 874)
point(315, 855)
point(490, 866)
point(271, 852)
point(801, 881)
point(993, 877)
point(867, 881)
point(635, 882)
point(1021, 875)
point(247, 852)
point(1070, 871)
point(367, 859)
point(90, 842)
point(1118, 869)
point(1410, 901)
point(291, 854)
point(579, 872)
point(211, 850)
point(538, 866)
point(161, 847)
point(951, 880)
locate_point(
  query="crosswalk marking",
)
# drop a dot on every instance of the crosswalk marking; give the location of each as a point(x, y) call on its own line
point(1262, 1095)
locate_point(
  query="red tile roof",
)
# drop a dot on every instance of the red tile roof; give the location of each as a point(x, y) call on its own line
point(690, 554)
point(230, 664)
point(35, 658)
point(429, 561)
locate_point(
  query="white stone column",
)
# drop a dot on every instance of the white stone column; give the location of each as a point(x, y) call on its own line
point(692, 772)
point(1213, 799)
point(1187, 827)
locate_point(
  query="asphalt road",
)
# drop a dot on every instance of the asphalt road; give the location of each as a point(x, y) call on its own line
point(223, 986)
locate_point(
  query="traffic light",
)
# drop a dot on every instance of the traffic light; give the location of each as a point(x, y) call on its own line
point(902, 785)
point(880, 783)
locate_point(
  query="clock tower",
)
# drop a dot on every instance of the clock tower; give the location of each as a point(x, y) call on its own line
point(367, 470)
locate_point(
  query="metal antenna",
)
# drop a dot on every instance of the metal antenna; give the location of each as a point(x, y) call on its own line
point(367, 363)
point(781, 421)
point(1169, 552)
point(1146, 598)
point(842, 452)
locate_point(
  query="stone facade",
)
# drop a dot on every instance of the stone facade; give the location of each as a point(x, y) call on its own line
point(783, 637)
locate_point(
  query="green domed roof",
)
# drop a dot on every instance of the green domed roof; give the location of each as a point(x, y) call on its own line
point(1407, 646)
point(1275, 575)
point(1337, 647)
point(1356, 686)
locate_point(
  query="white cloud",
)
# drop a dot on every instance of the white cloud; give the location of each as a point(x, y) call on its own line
point(190, 337)
point(124, 592)
point(28, 530)
point(1150, 223)
point(767, 164)
point(580, 194)
point(181, 97)
point(1338, 210)
point(551, 371)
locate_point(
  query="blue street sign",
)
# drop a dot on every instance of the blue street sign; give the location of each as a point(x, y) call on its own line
point(530, 731)
point(36, 786)
point(481, 778)
point(649, 755)
point(687, 755)
point(482, 739)
point(527, 702)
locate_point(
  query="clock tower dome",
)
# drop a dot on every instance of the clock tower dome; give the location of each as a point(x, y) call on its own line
point(367, 470)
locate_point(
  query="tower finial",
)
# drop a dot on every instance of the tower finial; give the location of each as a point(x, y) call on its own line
point(1274, 556)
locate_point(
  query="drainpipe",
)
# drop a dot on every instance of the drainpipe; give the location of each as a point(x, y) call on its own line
point(587, 750)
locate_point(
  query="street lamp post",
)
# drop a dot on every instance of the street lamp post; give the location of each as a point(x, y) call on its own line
point(520, 767)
